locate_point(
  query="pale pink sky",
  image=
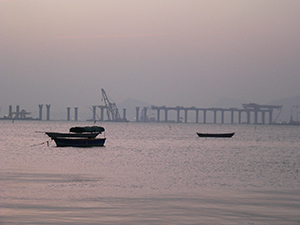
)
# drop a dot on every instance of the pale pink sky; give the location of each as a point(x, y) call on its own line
point(165, 52)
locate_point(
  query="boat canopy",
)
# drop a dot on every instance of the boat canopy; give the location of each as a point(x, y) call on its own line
point(87, 129)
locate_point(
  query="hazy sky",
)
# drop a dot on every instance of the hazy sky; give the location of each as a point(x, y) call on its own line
point(165, 52)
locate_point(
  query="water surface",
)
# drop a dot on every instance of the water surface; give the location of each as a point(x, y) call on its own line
point(150, 173)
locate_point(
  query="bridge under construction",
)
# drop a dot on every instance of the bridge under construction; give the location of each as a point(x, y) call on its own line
point(253, 114)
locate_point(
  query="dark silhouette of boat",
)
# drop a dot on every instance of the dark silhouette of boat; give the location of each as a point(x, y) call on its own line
point(79, 142)
point(216, 135)
point(79, 137)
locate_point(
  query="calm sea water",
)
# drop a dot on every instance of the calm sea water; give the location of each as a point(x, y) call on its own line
point(150, 174)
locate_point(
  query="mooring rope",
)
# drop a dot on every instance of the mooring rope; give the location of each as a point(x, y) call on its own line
point(41, 143)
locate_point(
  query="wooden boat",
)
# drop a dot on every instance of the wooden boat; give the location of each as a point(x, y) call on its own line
point(79, 137)
point(216, 135)
point(79, 142)
point(69, 135)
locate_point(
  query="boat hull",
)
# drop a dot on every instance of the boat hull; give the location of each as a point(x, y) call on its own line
point(79, 142)
point(216, 135)
point(73, 135)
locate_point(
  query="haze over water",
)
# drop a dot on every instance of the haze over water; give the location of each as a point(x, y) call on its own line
point(150, 173)
point(167, 52)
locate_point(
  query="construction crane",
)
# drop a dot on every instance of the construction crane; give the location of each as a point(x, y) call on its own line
point(112, 110)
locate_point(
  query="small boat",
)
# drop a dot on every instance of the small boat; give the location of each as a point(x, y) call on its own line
point(79, 137)
point(79, 142)
point(216, 135)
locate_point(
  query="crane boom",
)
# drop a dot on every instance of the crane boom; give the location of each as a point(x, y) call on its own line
point(112, 110)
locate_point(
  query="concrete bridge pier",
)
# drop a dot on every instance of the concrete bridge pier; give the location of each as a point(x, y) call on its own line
point(232, 116)
point(68, 114)
point(166, 115)
point(40, 112)
point(248, 116)
point(271, 116)
point(10, 114)
point(76, 113)
point(240, 116)
point(137, 114)
point(48, 111)
point(94, 112)
point(158, 115)
point(145, 114)
point(102, 113)
point(178, 115)
point(204, 116)
point(215, 116)
point(124, 114)
point(185, 115)
point(18, 112)
point(116, 117)
point(263, 117)
point(255, 116)
point(222, 116)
